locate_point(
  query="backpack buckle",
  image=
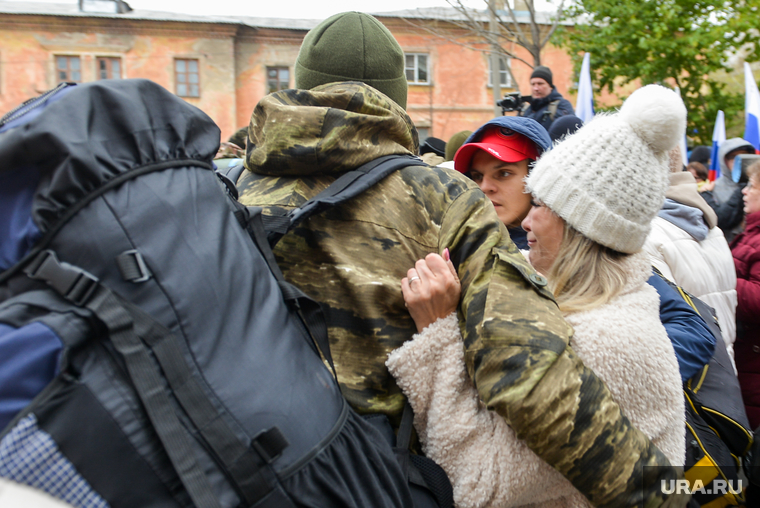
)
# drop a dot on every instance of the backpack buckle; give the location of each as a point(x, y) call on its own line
point(69, 281)
point(132, 266)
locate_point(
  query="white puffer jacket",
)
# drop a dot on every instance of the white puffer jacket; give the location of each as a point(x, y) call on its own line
point(623, 342)
point(703, 268)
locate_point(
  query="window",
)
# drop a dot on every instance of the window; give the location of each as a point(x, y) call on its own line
point(417, 68)
point(187, 78)
point(278, 78)
point(505, 78)
point(109, 68)
point(68, 68)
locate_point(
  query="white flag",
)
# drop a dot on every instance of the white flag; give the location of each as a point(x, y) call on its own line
point(584, 107)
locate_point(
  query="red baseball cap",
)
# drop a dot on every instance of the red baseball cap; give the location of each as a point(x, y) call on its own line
point(501, 142)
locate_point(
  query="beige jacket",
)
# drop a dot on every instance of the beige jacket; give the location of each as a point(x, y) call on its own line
point(489, 466)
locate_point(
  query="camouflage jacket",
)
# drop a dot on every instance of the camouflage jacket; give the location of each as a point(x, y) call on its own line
point(352, 258)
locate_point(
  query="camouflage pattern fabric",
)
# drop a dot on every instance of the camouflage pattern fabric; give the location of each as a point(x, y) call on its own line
point(352, 258)
point(229, 150)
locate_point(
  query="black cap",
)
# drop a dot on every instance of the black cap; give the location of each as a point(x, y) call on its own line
point(434, 145)
point(564, 126)
point(544, 73)
point(701, 154)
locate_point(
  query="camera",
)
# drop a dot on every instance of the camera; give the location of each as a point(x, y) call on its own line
point(511, 102)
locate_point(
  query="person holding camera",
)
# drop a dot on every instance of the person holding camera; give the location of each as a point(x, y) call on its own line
point(546, 104)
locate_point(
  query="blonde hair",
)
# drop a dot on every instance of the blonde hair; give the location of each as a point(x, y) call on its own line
point(675, 160)
point(585, 274)
point(753, 170)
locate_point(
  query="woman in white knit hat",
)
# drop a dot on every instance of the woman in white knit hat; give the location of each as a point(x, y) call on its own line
point(595, 195)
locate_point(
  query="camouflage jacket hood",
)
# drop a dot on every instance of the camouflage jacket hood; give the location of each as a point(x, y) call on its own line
point(326, 131)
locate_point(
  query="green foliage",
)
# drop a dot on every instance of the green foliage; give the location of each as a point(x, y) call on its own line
point(679, 43)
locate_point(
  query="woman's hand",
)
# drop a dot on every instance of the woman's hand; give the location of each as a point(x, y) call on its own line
point(431, 289)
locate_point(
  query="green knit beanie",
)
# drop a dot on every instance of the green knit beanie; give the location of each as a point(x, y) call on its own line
point(455, 142)
point(352, 46)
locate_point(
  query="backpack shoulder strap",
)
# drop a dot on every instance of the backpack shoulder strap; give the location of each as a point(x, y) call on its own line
point(267, 230)
point(706, 312)
point(347, 186)
point(230, 175)
point(553, 105)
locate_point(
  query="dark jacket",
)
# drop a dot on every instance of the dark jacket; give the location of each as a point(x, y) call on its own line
point(352, 258)
point(539, 109)
point(730, 212)
point(691, 338)
point(746, 251)
point(519, 236)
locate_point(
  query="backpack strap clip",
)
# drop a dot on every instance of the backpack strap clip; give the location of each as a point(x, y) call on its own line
point(71, 282)
point(132, 266)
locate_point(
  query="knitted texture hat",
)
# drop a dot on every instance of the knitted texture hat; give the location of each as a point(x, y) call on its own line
point(352, 46)
point(544, 73)
point(608, 180)
point(454, 143)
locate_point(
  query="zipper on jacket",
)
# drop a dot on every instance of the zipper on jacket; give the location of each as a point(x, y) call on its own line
point(32, 103)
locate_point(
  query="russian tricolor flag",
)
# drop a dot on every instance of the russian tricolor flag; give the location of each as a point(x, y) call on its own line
point(684, 142)
point(584, 106)
point(751, 109)
point(718, 137)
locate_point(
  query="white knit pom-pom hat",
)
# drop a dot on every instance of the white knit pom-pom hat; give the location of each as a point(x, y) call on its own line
point(608, 180)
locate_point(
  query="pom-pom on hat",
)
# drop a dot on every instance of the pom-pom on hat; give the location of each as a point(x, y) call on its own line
point(352, 46)
point(608, 180)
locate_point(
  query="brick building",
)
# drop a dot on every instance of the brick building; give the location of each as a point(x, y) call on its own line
point(224, 65)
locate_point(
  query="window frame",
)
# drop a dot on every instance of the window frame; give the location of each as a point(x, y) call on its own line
point(277, 68)
point(109, 70)
point(187, 73)
point(505, 72)
point(415, 69)
point(68, 70)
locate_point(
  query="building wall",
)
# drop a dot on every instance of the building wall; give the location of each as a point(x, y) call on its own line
point(254, 54)
point(234, 58)
point(459, 97)
point(147, 49)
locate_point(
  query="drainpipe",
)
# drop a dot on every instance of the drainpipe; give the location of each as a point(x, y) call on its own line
point(495, 67)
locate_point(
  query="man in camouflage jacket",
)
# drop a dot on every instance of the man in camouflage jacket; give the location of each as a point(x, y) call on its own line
point(352, 258)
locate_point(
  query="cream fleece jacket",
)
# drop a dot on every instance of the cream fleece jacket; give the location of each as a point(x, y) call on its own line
point(623, 342)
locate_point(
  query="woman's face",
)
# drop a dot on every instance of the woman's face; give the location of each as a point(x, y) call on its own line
point(545, 233)
point(752, 195)
point(502, 182)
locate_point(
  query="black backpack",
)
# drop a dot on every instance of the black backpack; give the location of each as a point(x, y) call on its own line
point(191, 372)
point(718, 434)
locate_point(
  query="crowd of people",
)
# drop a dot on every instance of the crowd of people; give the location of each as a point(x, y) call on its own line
point(591, 223)
point(507, 290)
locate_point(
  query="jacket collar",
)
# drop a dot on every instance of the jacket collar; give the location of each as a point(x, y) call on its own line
point(539, 103)
point(752, 221)
point(683, 189)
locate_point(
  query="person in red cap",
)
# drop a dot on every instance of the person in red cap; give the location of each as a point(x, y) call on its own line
point(498, 157)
